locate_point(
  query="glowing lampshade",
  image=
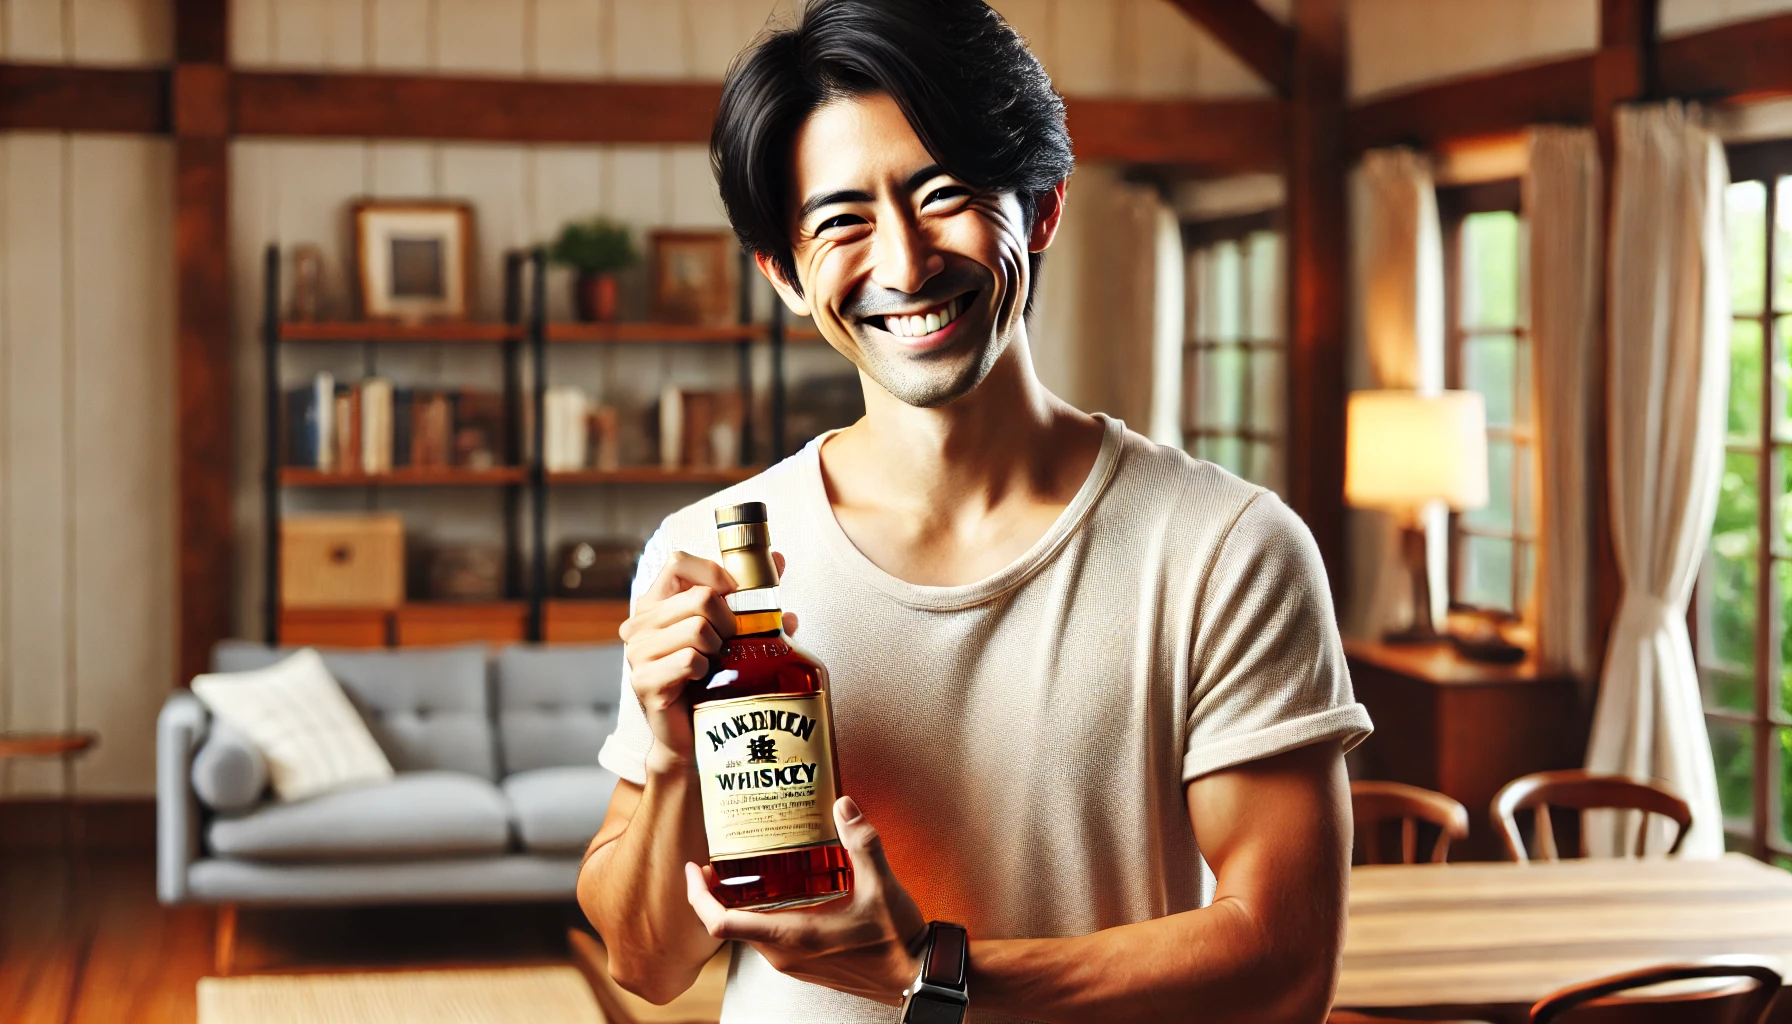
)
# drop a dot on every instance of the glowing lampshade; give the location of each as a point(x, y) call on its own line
point(1404, 449)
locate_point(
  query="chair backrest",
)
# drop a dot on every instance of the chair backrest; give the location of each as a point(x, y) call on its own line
point(1601, 1002)
point(1372, 803)
point(1581, 790)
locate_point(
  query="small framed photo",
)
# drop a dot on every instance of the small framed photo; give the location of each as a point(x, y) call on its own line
point(415, 259)
point(695, 277)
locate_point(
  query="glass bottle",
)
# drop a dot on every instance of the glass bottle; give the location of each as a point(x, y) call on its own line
point(765, 745)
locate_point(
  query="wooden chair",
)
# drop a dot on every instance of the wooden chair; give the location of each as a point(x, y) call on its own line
point(1581, 790)
point(1744, 1001)
point(1372, 803)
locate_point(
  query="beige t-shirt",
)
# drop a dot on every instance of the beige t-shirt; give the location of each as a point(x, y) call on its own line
point(1022, 743)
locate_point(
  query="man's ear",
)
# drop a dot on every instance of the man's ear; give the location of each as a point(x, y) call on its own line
point(1050, 213)
point(793, 299)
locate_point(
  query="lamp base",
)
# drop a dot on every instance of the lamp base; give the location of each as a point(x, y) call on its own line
point(1417, 633)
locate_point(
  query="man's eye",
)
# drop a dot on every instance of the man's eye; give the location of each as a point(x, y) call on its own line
point(844, 220)
point(945, 192)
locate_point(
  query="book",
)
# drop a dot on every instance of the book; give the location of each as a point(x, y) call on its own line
point(404, 403)
point(324, 387)
point(376, 425)
point(347, 441)
point(301, 427)
point(671, 428)
point(478, 429)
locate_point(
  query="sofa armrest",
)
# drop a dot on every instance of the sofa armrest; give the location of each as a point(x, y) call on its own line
point(180, 728)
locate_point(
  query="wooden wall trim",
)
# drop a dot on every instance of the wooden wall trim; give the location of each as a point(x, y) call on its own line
point(1217, 135)
point(1747, 60)
point(1318, 280)
point(55, 97)
point(485, 109)
point(1495, 104)
point(1251, 33)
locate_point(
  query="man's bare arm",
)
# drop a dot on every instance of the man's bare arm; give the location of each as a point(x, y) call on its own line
point(1277, 834)
point(631, 886)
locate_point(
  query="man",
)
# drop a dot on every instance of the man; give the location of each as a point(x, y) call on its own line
point(1071, 670)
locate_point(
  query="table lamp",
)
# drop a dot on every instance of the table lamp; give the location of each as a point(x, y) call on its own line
point(1405, 450)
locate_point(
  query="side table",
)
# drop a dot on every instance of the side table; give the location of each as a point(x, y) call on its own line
point(52, 744)
point(1461, 727)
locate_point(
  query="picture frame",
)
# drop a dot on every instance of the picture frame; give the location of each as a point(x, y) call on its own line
point(414, 259)
point(694, 277)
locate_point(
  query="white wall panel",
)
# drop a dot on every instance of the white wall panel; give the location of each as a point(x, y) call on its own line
point(252, 32)
point(38, 357)
point(1401, 44)
point(1679, 17)
point(483, 37)
point(120, 31)
point(401, 35)
point(1088, 53)
point(571, 38)
point(123, 494)
point(319, 33)
point(36, 30)
point(652, 39)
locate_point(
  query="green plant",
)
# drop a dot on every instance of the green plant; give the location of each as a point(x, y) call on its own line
point(595, 246)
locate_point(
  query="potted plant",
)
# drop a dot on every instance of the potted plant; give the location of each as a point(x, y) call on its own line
point(597, 248)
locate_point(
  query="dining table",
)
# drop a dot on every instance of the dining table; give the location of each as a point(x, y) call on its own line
point(1488, 940)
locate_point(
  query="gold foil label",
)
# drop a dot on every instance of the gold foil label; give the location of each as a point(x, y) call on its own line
point(767, 770)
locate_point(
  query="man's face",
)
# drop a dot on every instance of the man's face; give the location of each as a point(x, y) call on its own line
point(915, 276)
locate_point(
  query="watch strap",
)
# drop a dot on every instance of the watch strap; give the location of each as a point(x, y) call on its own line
point(940, 993)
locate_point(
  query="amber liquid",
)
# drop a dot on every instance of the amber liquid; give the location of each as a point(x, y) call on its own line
point(766, 662)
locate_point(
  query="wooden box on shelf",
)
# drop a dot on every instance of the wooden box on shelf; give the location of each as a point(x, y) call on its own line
point(342, 561)
point(582, 621)
point(434, 625)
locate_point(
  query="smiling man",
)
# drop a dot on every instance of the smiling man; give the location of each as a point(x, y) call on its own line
point(1089, 698)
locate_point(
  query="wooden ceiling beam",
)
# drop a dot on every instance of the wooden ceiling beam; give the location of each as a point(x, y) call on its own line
point(56, 97)
point(1214, 136)
point(1495, 104)
point(1747, 60)
point(1264, 44)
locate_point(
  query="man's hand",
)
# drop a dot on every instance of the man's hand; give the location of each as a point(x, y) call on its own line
point(863, 944)
point(678, 626)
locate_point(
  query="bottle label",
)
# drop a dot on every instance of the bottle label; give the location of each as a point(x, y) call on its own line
point(767, 770)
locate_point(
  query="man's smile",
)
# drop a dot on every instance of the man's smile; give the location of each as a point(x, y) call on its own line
point(923, 328)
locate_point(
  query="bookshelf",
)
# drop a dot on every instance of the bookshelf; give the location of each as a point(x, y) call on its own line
point(527, 611)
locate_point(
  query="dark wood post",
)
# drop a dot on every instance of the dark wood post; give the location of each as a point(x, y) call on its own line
point(1318, 277)
point(201, 109)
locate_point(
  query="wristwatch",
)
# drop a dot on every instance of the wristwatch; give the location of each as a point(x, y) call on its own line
point(939, 995)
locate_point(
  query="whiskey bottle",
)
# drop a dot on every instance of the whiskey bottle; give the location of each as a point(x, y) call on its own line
point(765, 744)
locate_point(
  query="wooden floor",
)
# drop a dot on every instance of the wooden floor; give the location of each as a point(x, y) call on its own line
point(88, 942)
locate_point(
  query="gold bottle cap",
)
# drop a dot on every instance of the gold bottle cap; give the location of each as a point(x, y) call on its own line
point(746, 544)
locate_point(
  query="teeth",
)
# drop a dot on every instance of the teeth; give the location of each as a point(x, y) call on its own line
point(920, 325)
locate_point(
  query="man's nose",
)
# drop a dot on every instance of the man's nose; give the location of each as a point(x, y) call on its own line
point(905, 257)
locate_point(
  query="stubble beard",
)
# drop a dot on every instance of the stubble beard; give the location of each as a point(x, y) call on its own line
point(929, 382)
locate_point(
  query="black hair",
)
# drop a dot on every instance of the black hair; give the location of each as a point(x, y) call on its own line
point(975, 95)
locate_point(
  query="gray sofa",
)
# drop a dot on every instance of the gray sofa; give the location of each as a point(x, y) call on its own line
point(496, 795)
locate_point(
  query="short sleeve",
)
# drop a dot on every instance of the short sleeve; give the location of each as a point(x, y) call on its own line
point(625, 751)
point(1267, 668)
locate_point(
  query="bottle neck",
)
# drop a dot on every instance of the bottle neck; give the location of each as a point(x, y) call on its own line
point(756, 611)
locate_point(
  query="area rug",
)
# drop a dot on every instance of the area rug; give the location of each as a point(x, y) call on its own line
point(519, 995)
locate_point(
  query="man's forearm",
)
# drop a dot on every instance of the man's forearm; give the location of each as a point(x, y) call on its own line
point(633, 890)
point(1215, 964)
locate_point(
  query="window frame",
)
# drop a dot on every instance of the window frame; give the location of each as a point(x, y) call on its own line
point(1767, 163)
point(1455, 203)
point(1202, 234)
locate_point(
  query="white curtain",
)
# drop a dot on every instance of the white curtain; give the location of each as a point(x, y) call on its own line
point(1667, 382)
point(1398, 269)
point(1107, 329)
point(1563, 199)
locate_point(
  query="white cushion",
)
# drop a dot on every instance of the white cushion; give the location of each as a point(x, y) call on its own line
point(296, 714)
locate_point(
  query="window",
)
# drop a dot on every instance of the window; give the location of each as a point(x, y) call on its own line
point(1744, 594)
point(1487, 349)
point(1233, 350)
